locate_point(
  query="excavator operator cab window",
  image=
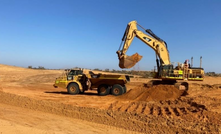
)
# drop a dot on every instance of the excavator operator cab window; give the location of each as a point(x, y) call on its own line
point(167, 70)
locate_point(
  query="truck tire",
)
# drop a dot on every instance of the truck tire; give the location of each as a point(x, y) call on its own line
point(117, 90)
point(125, 89)
point(73, 88)
point(103, 90)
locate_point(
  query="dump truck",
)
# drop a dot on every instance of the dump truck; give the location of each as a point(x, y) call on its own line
point(77, 81)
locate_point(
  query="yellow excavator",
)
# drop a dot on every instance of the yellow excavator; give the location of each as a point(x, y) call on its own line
point(166, 71)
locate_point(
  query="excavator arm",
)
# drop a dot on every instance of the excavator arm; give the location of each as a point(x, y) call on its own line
point(157, 44)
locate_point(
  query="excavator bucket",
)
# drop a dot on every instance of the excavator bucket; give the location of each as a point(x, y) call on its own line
point(129, 61)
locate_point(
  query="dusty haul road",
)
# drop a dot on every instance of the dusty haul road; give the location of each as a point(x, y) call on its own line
point(29, 103)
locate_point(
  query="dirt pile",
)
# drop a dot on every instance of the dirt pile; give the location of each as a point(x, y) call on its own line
point(155, 93)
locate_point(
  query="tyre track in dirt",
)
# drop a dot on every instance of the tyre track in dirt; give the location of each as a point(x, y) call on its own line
point(157, 109)
point(185, 111)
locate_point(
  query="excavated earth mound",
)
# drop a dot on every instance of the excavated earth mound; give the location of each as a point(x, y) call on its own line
point(155, 93)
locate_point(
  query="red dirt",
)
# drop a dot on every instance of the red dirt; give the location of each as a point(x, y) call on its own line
point(155, 93)
point(30, 103)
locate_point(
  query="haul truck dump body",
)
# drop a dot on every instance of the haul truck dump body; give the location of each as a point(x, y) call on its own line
point(75, 81)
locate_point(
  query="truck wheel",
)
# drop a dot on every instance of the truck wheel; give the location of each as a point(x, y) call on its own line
point(103, 90)
point(73, 88)
point(117, 90)
point(125, 89)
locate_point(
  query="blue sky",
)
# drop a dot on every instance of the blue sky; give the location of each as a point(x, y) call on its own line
point(87, 33)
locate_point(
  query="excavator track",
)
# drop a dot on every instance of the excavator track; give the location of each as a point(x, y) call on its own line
point(182, 86)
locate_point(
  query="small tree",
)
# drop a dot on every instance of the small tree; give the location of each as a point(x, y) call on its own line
point(41, 67)
point(97, 69)
point(107, 70)
point(30, 67)
point(113, 70)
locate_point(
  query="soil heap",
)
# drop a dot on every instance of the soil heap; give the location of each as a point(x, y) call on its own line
point(154, 93)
